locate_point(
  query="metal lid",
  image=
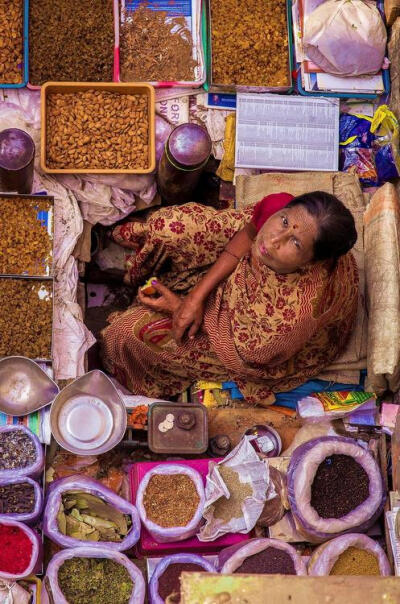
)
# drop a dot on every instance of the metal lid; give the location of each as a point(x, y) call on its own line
point(88, 415)
point(189, 144)
point(17, 149)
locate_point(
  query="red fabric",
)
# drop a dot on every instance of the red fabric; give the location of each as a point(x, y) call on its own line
point(269, 205)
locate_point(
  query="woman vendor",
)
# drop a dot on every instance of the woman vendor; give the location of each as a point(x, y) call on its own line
point(266, 296)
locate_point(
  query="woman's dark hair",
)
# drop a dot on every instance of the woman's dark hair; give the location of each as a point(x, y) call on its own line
point(336, 228)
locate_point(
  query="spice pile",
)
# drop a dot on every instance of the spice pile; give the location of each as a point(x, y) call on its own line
point(249, 43)
point(87, 517)
point(96, 129)
point(340, 485)
point(226, 509)
point(71, 40)
point(165, 43)
point(25, 318)
point(11, 41)
point(17, 498)
point(356, 561)
point(94, 581)
point(26, 244)
point(169, 582)
point(15, 549)
point(171, 500)
point(270, 561)
point(17, 450)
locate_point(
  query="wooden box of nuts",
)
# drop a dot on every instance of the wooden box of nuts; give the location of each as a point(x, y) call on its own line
point(14, 16)
point(105, 128)
point(249, 46)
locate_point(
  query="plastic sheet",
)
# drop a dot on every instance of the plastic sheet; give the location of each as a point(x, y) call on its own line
point(84, 483)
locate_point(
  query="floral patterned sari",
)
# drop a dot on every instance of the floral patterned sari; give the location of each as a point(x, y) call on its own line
point(268, 332)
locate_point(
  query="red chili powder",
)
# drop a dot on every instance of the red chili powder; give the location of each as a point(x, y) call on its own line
point(15, 550)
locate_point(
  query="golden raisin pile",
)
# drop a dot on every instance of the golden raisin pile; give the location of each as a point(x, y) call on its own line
point(95, 129)
point(26, 318)
point(11, 41)
point(249, 41)
point(26, 246)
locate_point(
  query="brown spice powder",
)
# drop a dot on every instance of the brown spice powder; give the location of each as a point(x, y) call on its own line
point(226, 509)
point(249, 42)
point(166, 47)
point(171, 500)
point(356, 561)
point(26, 244)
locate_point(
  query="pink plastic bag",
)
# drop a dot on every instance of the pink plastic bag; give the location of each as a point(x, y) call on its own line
point(174, 559)
point(230, 558)
point(346, 37)
point(139, 589)
point(84, 483)
point(33, 469)
point(326, 555)
point(175, 533)
point(28, 517)
point(37, 551)
point(302, 469)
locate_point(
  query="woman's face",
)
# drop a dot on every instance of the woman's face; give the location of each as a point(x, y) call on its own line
point(285, 242)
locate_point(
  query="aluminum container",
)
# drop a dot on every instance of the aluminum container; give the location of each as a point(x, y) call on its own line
point(88, 416)
point(24, 386)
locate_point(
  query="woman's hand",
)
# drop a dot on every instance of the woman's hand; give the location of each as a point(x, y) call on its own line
point(167, 301)
point(189, 315)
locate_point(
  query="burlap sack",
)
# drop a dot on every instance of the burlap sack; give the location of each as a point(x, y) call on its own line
point(382, 268)
point(250, 189)
point(394, 53)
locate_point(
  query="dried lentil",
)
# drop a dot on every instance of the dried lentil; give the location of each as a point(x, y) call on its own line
point(249, 42)
point(171, 499)
point(169, 582)
point(97, 129)
point(165, 43)
point(340, 485)
point(25, 318)
point(226, 509)
point(356, 561)
point(269, 561)
point(26, 244)
point(17, 450)
point(71, 40)
point(17, 498)
point(11, 41)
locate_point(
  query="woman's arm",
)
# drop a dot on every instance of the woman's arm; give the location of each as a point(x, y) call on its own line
point(190, 313)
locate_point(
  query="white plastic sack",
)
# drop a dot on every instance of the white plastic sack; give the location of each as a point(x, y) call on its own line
point(346, 37)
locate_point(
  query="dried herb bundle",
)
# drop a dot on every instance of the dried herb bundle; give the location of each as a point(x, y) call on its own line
point(11, 42)
point(249, 42)
point(25, 318)
point(71, 40)
point(155, 47)
point(26, 244)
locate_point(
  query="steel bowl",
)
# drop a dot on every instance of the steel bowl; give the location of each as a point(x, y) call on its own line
point(88, 417)
point(24, 386)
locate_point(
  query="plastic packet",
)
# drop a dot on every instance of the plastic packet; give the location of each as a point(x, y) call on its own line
point(230, 558)
point(35, 468)
point(326, 555)
point(333, 405)
point(93, 487)
point(28, 517)
point(175, 533)
point(58, 559)
point(174, 559)
point(385, 127)
point(302, 469)
point(35, 563)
